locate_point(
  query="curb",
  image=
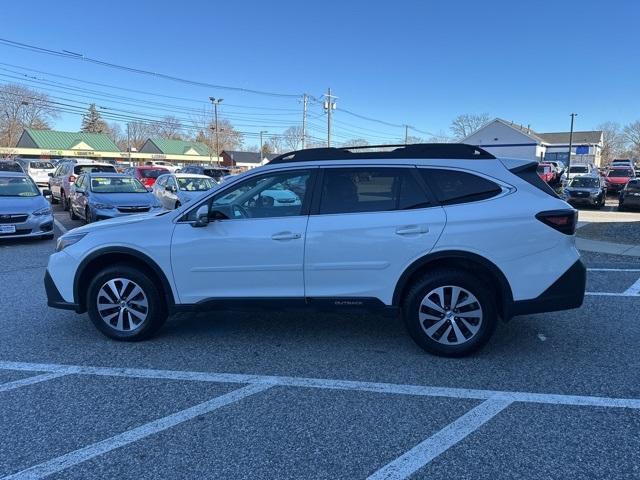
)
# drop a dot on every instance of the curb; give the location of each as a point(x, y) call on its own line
point(607, 247)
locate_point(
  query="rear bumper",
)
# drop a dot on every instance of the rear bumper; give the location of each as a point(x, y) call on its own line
point(54, 298)
point(565, 293)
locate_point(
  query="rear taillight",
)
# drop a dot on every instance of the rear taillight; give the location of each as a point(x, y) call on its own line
point(72, 178)
point(562, 220)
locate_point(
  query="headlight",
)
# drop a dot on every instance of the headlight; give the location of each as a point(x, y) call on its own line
point(68, 239)
point(42, 211)
point(103, 206)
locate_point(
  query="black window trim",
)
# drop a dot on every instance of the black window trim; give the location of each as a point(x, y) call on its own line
point(412, 169)
point(506, 188)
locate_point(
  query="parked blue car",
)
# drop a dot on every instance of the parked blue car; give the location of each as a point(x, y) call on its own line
point(100, 196)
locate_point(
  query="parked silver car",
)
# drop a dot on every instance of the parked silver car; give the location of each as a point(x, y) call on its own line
point(175, 189)
point(24, 211)
point(38, 170)
point(66, 174)
point(100, 196)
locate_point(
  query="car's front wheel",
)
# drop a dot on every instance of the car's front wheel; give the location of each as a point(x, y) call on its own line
point(124, 303)
point(450, 313)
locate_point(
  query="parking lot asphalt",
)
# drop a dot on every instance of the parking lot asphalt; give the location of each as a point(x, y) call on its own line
point(299, 395)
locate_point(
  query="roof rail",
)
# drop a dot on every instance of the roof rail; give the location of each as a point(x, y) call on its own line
point(417, 150)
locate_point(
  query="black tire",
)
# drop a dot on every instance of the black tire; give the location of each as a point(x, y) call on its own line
point(444, 278)
point(87, 216)
point(178, 205)
point(64, 201)
point(72, 214)
point(156, 313)
point(54, 200)
point(620, 207)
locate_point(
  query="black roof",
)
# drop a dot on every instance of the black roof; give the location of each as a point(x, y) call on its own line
point(418, 150)
point(247, 157)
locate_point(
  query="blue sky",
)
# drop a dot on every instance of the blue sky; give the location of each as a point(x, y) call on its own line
point(414, 62)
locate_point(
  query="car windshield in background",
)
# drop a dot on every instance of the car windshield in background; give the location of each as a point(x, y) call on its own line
point(18, 187)
point(10, 167)
point(578, 169)
point(41, 165)
point(195, 184)
point(584, 182)
point(116, 185)
point(620, 173)
point(151, 173)
point(78, 169)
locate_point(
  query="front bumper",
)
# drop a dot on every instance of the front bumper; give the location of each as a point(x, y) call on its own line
point(54, 298)
point(615, 187)
point(582, 200)
point(34, 226)
point(564, 294)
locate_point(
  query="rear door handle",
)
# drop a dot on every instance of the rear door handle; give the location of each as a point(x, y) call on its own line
point(286, 236)
point(412, 230)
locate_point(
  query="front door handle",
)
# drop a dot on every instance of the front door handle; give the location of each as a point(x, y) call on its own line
point(412, 230)
point(286, 236)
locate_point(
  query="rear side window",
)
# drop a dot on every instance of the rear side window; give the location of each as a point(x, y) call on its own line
point(353, 190)
point(41, 165)
point(452, 186)
point(93, 169)
point(528, 173)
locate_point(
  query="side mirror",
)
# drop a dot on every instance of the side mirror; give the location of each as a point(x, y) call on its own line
point(170, 188)
point(46, 192)
point(202, 216)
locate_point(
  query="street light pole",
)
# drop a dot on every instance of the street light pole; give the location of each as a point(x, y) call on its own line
point(216, 102)
point(573, 115)
point(262, 132)
point(329, 106)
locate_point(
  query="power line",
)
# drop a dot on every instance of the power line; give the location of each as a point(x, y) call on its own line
point(83, 58)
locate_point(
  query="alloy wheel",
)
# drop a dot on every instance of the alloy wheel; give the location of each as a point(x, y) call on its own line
point(450, 315)
point(122, 304)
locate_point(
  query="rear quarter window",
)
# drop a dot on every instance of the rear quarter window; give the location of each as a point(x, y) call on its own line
point(452, 186)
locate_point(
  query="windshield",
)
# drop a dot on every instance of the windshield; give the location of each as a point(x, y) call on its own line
point(10, 167)
point(78, 169)
point(620, 173)
point(578, 169)
point(41, 165)
point(584, 182)
point(117, 185)
point(18, 187)
point(152, 173)
point(195, 184)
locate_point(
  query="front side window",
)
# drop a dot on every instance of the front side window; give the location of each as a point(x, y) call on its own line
point(453, 186)
point(367, 189)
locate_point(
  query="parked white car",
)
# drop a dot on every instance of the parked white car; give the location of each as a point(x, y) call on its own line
point(38, 170)
point(448, 235)
point(162, 163)
point(176, 189)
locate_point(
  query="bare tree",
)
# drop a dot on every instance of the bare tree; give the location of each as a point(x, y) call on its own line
point(292, 137)
point(114, 132)
point(464, 125)
point(631, 135)
point(412, 139)
point(169, 127)
point(20, 108)
point(355, 142)
point(228, 137)
point(440, 137)
point(612, 141)
point(138, 133)
point(276, 143)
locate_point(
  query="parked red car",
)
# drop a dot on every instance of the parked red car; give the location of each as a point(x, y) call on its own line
point(546, 172)
point(617, 178)
point(147, 174)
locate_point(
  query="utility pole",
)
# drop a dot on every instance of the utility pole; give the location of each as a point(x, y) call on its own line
point(216, 102)
point(573, 115)
point(329, 106)
point(261, 154)
point(129, 144)
point(305, 99)
point(406, 134)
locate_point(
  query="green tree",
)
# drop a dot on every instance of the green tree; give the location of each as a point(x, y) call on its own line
point(92, 121)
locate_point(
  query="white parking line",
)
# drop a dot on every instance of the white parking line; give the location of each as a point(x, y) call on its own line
point(61, 227)
point(87, 453)
point(613, 269)
point(330, 384)
point(438, 443)
point(613, 294)
point(23, 382)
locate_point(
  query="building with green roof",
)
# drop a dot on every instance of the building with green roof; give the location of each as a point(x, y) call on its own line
point(56, 140)
point(165, 146)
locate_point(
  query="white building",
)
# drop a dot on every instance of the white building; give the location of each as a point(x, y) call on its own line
point(508, 139)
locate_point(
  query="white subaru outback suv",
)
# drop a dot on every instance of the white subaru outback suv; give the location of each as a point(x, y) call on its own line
point(446, 234)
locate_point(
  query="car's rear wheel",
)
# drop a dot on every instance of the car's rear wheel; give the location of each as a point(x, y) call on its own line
point(125, 304)
point(72, 213)
point(87, 215)
point(54, 200)
point(64, 201)
point(450, 313)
